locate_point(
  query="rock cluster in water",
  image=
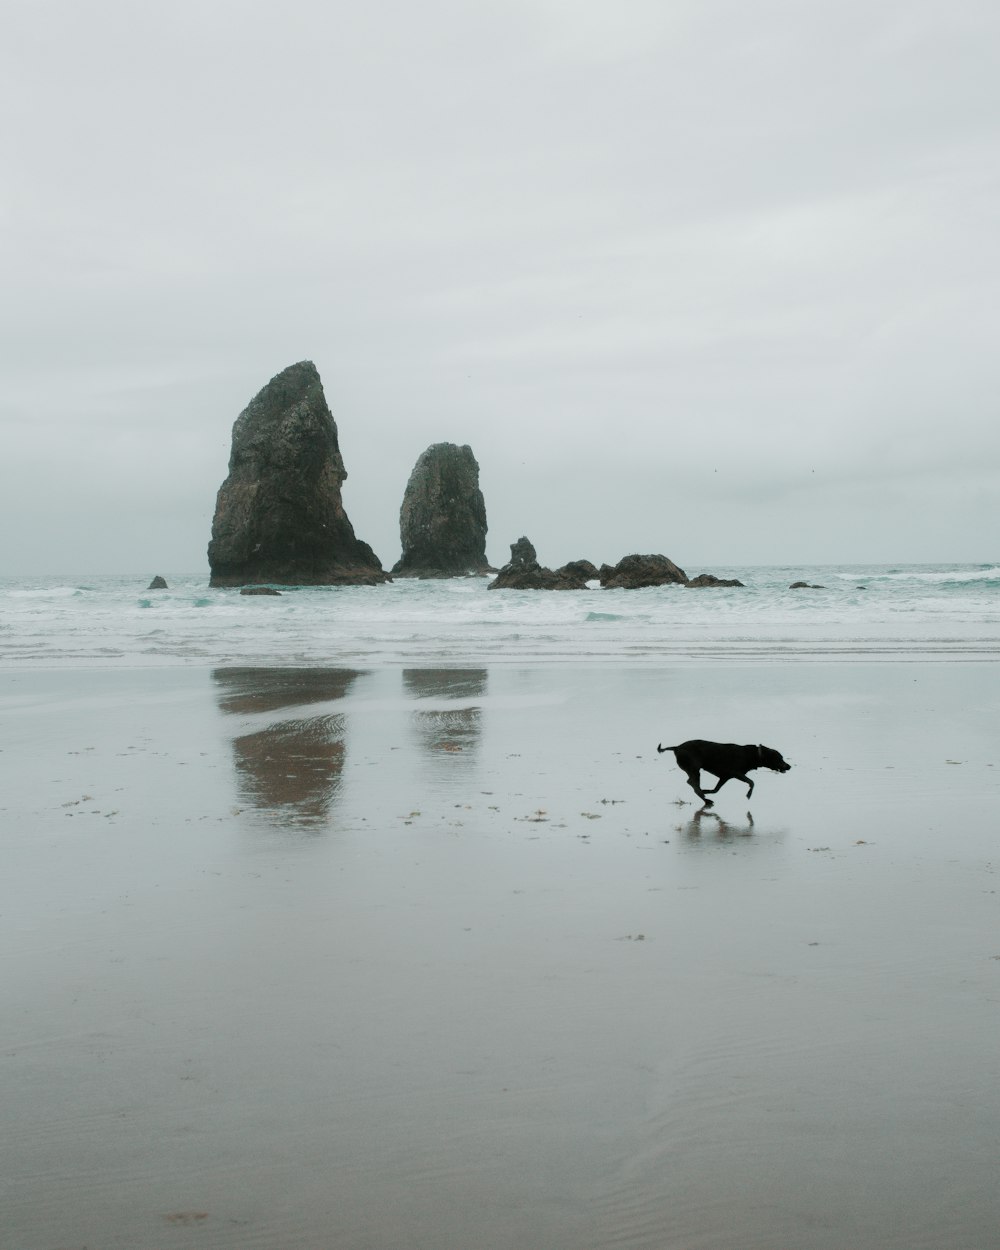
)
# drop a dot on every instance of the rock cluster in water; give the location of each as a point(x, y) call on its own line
point(709, 579)
point(523, 572)
point(632, 572)
point(635, 571)
point(279, 516)
point(442, 521)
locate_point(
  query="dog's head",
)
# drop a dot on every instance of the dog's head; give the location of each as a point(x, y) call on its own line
point(769, 758)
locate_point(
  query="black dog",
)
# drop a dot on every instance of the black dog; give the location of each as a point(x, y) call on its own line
point(724, 760)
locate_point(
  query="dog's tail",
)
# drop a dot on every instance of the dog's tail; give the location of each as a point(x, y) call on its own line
point(661, 750)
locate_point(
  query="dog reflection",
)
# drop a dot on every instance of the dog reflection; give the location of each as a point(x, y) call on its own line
point(705, 821)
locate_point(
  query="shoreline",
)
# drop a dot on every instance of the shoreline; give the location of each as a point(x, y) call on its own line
point(922, 614)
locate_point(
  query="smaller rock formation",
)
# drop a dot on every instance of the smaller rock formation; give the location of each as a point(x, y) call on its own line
point(709, 579)
point(259, 590)
point(523, 554)
point(279, 516)
point(580, 568)
point(442, 521)
point(805, 586)
point(634, 572)
point(523, 572)
point(157, 583)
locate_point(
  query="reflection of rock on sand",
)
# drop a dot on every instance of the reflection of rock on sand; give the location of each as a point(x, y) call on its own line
point(296, 765)
point(291, 769)
point(244, 691)
point(447, 731)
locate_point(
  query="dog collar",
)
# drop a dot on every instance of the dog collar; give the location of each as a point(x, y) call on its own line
point(760, 752)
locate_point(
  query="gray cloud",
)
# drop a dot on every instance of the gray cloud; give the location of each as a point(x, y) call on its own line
point(713, 279)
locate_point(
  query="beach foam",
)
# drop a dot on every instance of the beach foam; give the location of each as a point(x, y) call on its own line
point(862, 611)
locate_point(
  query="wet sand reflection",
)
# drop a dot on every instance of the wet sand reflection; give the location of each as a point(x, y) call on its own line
point(246, 691)
point(706, 821)
point(290, 770)
point(707, 830)
point(449, 731)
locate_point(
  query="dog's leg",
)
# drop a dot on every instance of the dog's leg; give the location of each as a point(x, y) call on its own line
point(749, 784)
point(694, 777)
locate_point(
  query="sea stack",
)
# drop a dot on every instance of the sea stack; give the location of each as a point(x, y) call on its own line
point(279, 517)
point(442, 521)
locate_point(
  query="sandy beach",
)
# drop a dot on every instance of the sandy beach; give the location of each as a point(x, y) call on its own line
point(448, 959)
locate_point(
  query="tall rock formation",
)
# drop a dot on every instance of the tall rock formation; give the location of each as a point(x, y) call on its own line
point(442, 521)
point(279, 515)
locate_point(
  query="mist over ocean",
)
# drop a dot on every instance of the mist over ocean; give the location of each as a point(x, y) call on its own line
point(858, 611)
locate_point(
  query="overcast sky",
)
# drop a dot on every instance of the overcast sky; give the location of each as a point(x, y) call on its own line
point(717, 279)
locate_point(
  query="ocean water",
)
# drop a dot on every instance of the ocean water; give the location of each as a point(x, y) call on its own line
point(929, 611)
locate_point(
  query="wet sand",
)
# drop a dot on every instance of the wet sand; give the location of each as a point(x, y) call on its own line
point(449, 959)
